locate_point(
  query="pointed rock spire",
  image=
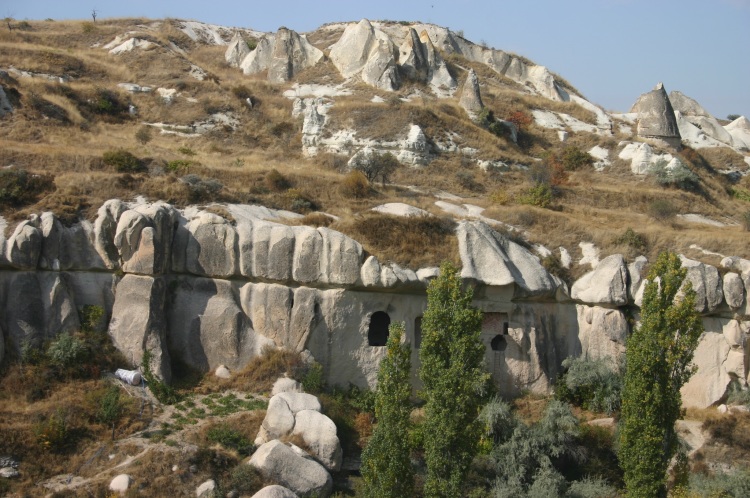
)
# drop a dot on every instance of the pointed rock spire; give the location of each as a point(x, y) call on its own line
point(471, 99)
point(656, 117)
point(283, 54)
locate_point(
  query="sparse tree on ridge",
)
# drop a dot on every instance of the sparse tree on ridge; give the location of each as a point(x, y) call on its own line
point(455, 381)
point(658, 356)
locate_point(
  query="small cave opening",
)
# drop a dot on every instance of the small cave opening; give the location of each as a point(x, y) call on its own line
point(377, 332)
point(499, 343)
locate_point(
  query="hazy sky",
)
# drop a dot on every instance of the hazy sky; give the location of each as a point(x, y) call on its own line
point(611, 50)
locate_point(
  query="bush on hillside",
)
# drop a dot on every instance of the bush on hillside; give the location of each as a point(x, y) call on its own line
point(662, 210)
point(355, 185)
point(574, 158)
point(123, 161)
point(67, 351)
point(376, 166)
point(679, 176)
point(590, 384)
point(276, 182)
point(539, 195)
point(18, 187)
point(632, 239)
point(143, 135)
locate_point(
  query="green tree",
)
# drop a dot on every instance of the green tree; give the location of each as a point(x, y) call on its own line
point(658, 357)
point(110, 408)
point(386, 467)
point(455, 382)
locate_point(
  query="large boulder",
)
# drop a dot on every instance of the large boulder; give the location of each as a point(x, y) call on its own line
point(607, 284)
point(25, 245)
point(366, 51)
point(138, 322)
point(280, 415)
point(120, 484)
point(105, 228)
point(734, 290)
point(279, 463)
point(211, 246)
point(492, 259)
point(275, 491)
point(707, 284)
point(319, 434)
point(237, 50)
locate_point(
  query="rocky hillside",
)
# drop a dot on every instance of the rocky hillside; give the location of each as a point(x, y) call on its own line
point(217, 191)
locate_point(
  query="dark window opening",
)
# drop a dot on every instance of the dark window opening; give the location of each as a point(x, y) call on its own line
point(498, 343)
point(417, 332)
point(505, 328)
point(377, 333)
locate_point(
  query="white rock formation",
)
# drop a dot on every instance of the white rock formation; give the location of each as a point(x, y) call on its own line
point(656, 119)
point(286, 385)
point(275, 491)
point(602, 332)
point(471, 99)
point(206, 489)
point(279, 463)
point(607, 284)
point(283, 54)
point(740, 131)
point(368, 52)
point(706, 283)
point(120, 484)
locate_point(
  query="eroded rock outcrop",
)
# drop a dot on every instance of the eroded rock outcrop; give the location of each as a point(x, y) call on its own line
point(280, 463)
point(606, 284)
point(283, 54)
point(368, 52)
point(656, 119)
point(471, 99)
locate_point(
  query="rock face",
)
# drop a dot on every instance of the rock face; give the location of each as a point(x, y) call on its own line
point(606, 284)
point(470, 99)
point(237, 50)
point(419, 61)
point(5, 106)
point(191, 286)
point(366, 51)
point(120, 484)
point(279, 463)
point(656, 117)
point(283, 55)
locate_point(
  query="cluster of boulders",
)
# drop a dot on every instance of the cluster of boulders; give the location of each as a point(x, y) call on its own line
point(297, 445)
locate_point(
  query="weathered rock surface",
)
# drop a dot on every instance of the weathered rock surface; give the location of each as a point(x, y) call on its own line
point(206, 489)
point(286, 385)
point(138, 322)
point(283, 54)
point(635, 272)
point(656, 117)
point(494, 260)
point(602, 332)
point(606, 284)
point(237, 50)
point(279, 463)
point(319, 434)
point(734, 290)
point(471, 99)
point(368, 52)
point(275, 491)
point(706, 282)
point(720, 359)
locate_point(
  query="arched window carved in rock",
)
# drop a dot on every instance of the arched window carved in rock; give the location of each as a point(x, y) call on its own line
point(377, 332)
point(499, 343)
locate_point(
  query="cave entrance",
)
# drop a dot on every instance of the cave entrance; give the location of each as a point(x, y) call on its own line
point(377, 332)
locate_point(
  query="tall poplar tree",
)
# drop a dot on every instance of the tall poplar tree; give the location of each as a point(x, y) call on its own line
point(455, 380)
point(658, 357)
point(386, 464)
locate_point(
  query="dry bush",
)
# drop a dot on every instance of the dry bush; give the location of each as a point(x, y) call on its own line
point(414, 242)
point(355, 185)
point(260, 373)
point(314, 220)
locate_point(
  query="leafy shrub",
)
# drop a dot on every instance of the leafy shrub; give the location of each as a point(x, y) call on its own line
point(143, 135)
point(163, 392)
point(67, 351)
point(178, 165)
point(376, 166)
point(313, 380)
point(745, 219)
point(500, 197)
point(591, 384)
point(678, 176)
point(521, 119)
point(539, 195)
point(732, 117)
point(591, 488)
point(54, 434)
point(355, 185)
point(230, 438)
point(736, 484)
point(123, 161)
point(276, 182)
point(108, 103)
point(741, 194)
point(661, 210)
point(574, 158)
point(187, 151)
point(466, 180)
point(632, 239)
point(18, 187)
point(202, 190)
point(246, 480)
